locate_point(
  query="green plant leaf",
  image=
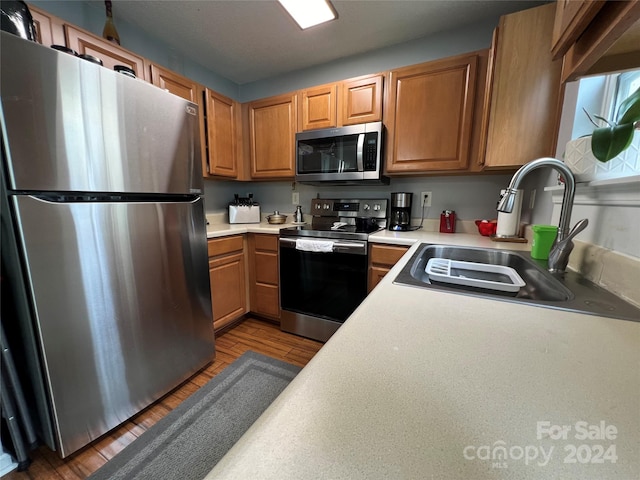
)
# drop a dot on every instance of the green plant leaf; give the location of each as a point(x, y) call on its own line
point(629, 110)
point(604, 120)
point(608, 142)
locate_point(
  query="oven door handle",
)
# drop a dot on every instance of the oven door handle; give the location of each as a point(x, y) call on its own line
point(356, 248)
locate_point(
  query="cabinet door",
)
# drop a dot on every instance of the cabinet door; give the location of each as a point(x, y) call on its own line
point(228, 297)
point(49, 29)
point(221, 135)
point(525, 108)
point(189, 90)
point(431, 115)
point(263, 275)
point(272, 127)
point(381, 259)
point(319, 107)
point(609, 43)
point(174, 83)
point(571, 19)
point(361, 100)
point(86, 43)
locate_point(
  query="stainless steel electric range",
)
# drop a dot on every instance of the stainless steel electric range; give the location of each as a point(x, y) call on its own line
point(323, 264)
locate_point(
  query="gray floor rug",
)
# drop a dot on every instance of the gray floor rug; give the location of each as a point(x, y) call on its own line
point(192, 438)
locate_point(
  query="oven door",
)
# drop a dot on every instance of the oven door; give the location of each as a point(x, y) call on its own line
point(318, 291)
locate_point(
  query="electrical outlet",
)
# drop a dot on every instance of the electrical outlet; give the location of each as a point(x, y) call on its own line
point(295, 198)
point(425, 199)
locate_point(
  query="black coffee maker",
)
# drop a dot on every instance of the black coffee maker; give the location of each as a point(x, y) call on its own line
point(400, 215)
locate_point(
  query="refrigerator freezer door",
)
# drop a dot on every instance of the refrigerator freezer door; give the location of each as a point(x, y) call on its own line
point(72, 125)
point(122, 305)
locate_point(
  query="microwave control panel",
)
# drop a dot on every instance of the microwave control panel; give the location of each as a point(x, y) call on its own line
point(370, 151)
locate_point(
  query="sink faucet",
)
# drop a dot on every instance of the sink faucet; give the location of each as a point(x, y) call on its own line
point(562, 246)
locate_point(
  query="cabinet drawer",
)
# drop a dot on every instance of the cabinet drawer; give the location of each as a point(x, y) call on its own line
point(386, 255)
point(221, 246)
point(267, 300)
point(267, 242)
point(266, 267)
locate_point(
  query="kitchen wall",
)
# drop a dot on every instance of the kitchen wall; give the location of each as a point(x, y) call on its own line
point(472, 197)
point(472, 37)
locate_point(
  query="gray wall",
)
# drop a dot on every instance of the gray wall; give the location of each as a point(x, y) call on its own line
point(444, 44)
point(472, 197)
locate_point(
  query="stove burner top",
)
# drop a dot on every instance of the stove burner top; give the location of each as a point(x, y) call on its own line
point(360, 217)
point(345, 232)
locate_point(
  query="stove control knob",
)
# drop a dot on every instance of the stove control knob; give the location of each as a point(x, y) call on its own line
point(318, 206)
point(325, 206)
point(366, 207)
point(376, 207)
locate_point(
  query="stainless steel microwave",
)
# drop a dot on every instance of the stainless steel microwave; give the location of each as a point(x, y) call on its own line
point(345, 155)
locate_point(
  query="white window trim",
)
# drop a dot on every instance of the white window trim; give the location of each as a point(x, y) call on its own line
point(620, 192)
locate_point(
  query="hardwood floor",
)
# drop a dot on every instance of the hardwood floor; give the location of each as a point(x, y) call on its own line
point(256, 335)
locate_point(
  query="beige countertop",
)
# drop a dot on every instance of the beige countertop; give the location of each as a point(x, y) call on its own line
point(424, 384)
point(217, 229)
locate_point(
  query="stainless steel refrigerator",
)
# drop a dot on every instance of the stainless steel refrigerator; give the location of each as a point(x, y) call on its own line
point(103, 240)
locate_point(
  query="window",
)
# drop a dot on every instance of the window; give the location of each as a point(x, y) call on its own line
point(599, 96)
point(625, 84)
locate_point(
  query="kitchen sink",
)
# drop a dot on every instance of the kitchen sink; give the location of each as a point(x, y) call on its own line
point(568, 291)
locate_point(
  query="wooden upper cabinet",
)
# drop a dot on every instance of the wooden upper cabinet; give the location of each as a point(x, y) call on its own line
point(222, 113)
point(49, 28)
point(189, 90)
point(360, 100)
point(319, 107)
point(525, 97)
point(272, 128)
point(597, 37)
point(430, 115)
point(174, 83)
point(84, 42)
point(571, 19)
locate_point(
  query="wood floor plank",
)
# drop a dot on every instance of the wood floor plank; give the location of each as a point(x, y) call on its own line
point(252, 334)
point(113, 443)
point(270, 345)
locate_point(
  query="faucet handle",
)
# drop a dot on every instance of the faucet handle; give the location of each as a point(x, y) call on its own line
point(577, 228)
point(559, 255)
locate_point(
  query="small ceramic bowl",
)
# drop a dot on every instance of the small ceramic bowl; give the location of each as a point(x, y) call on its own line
point(487, 228)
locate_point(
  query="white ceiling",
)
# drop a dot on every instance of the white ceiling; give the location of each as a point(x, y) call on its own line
point(249, 40)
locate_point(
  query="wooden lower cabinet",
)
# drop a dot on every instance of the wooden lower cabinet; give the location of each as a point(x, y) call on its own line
point(381, 259)
point(263, 275)
point(227, 275)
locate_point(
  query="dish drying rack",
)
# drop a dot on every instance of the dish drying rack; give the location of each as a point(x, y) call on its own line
point(471, 274)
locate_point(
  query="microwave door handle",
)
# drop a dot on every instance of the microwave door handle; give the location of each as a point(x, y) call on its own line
point(359, 153)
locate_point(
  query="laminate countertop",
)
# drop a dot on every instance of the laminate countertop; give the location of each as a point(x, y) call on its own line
point(218, 230)
point(429, 384)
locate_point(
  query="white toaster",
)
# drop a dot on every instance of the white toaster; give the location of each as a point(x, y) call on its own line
point(244, 213)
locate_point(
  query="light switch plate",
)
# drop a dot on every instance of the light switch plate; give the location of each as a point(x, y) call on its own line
point(295, 198)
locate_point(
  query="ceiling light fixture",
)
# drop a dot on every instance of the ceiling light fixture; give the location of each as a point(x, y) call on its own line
point(308, 13)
